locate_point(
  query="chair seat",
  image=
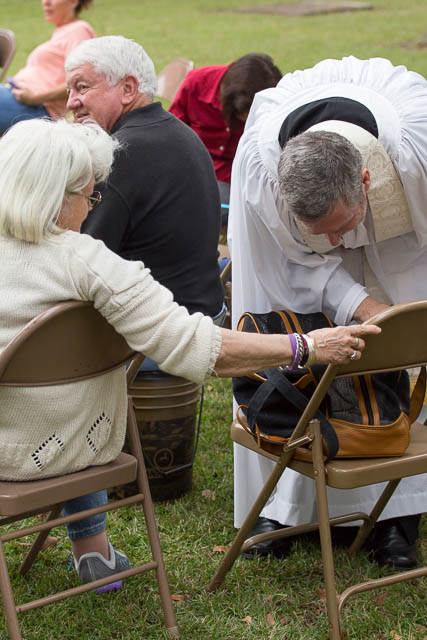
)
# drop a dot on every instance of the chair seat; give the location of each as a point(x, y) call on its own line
point(20, 497)
point(347, 474)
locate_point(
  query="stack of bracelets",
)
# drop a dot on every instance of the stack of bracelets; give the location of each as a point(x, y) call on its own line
point(302, 351)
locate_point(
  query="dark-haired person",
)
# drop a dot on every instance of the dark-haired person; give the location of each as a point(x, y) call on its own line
point(215, 102)
point(38, 89)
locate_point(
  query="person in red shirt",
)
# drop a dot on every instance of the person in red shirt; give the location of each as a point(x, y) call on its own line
point(214, 101)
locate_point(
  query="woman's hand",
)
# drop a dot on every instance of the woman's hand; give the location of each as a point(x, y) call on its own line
point(26, 96)
point(341, 344)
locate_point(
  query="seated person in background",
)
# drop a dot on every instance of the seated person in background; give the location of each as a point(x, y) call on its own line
point(39, 88)
point(215, 102)
point(160, 203)
point(47, 174)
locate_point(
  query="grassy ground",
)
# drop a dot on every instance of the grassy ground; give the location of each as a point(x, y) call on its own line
point(271, 599)
point(201, 30)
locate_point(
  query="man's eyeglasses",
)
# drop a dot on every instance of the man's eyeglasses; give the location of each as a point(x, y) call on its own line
point(94, 199)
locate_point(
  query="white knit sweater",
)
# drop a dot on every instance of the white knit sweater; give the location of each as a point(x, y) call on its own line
point(46, 431)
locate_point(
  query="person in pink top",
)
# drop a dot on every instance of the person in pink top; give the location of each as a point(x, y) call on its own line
point(39, 88)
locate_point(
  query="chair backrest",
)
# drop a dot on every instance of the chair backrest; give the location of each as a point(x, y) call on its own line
point(402, 344)
point(170, 78)
point(69, 342)
point(7, 50)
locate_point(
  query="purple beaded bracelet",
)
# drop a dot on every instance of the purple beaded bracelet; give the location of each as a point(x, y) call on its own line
point(295, 353)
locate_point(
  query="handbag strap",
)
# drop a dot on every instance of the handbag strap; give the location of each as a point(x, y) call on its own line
point(277, 381)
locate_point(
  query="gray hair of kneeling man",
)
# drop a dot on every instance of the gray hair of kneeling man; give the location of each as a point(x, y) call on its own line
point(41, 161)
point(317, 170)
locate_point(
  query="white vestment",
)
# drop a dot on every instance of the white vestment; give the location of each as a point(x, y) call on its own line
point(273, 268)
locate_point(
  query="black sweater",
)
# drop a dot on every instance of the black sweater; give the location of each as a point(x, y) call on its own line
point(161, 205)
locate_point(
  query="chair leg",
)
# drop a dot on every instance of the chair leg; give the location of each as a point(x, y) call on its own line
point(38, 543)
point(325, 534)
point(8, 600)
point(153, 534)
point(366, 527)
point(249, 522)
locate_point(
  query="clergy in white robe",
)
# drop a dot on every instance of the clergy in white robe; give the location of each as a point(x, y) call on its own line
point(276, 264)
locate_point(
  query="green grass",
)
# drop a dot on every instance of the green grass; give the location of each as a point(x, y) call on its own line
point(202, 31)
point(282, 597)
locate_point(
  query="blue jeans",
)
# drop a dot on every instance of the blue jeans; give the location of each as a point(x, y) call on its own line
point(224, 196)
point(12, 111)
point(95, 524)
point(88, 526)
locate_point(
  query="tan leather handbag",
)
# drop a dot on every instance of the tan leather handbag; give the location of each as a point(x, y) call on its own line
point(361, 417)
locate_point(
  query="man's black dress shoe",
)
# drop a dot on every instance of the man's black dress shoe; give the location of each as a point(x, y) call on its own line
point(392, 542)
point(279, 548)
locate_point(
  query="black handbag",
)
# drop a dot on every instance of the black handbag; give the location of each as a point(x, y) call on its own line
point(360, 416)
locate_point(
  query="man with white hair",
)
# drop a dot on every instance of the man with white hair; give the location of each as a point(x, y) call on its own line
point(161, 202)
point(327, 213)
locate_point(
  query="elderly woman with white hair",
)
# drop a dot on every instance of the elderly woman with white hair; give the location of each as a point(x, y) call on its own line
point(47, 173)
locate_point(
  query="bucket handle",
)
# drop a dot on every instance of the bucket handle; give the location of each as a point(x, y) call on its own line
point(187, 465)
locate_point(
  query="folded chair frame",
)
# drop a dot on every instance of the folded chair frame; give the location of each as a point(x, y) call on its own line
point(343, 474)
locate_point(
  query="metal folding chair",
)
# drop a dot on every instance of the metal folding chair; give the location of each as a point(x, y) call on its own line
point(402, 344)
point(171, 76)
point(7, 51)
point(68, 343)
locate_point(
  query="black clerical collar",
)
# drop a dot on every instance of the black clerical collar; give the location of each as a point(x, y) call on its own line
point(334, 108)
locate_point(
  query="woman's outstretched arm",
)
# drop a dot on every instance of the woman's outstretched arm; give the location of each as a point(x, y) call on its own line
point(242, 353)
